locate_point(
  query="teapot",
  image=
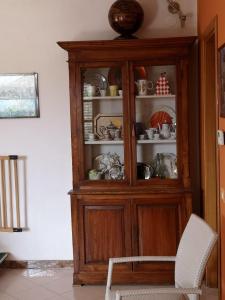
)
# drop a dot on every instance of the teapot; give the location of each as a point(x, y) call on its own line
point(110, 131)
point(164, 130)
point(105, 133)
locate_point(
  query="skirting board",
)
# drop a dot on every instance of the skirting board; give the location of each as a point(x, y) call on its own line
point(37, 264)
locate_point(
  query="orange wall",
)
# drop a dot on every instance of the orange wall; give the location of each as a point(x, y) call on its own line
point(207, 10)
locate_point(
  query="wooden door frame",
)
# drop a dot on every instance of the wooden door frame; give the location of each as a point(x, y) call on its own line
point(210, 211)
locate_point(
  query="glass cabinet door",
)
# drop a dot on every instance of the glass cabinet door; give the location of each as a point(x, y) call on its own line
point(155, 90)
point(103, 123)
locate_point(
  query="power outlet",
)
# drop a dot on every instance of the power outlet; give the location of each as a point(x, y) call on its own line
point(220, 137)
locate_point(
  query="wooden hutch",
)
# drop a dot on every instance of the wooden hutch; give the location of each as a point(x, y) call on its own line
point(133, 190)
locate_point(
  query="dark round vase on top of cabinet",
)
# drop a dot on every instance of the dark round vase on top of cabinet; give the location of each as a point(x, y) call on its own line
point(135, 164)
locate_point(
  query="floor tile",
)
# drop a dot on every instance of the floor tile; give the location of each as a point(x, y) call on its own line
point(56, 284)
point(61, 297)
point(36, 293)
point(4, 296)
point(86, 292)
point(60, 286)
point(12, 285)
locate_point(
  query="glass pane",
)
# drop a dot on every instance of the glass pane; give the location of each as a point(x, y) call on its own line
point(155, 88)
point(103, 123)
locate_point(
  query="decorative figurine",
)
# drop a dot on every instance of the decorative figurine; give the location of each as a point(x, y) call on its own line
point(162, 85)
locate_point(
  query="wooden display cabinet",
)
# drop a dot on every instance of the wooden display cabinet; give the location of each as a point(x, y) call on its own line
point(133, 190)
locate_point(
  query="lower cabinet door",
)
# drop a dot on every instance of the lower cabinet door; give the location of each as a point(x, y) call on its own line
point(137, 225)
point(105, 231)
point(158, 222)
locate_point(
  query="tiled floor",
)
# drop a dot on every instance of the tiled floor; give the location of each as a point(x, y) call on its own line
point(53, 285)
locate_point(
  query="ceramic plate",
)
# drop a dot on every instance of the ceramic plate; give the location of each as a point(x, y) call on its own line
point(95, 78)
point(163, 114)
point(105, 120)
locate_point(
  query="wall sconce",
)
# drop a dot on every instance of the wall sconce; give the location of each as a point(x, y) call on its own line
point(174, 8)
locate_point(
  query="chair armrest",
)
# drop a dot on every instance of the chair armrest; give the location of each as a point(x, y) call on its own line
point(120, 260)
point(171, 291)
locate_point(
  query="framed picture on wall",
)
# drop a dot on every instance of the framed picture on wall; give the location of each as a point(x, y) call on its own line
point(19, 96)
point(222, 80)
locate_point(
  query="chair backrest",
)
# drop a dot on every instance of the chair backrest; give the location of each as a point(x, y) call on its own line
point(195, 247)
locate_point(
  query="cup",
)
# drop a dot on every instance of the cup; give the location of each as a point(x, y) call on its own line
point(90, 90)
point(156, 136)
point(113, 90)
point(103, 93)
point(94, 175)
point(143, 86)
point(107, 137)
point(120, 92)
point(91, 136)
point(150, 133)
point(85, 89)
point(141, 136)
point(117, 134)
point(173, 135)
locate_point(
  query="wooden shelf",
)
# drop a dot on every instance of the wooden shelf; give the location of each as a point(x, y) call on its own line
point(137, 97)
point(102, 98)
point(157, 97)
point(104, 142)
point(168, 141)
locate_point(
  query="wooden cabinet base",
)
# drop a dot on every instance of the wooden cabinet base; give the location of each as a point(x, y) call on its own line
point(162, 277)
point(125, 225)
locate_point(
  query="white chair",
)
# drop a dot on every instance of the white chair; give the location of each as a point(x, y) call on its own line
point(194, 249)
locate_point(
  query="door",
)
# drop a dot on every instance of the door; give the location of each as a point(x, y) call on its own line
point(160, 124)
point(210, 180)
point(105, 231)
point(102, 125)
point(159, 221)
point(222, 171)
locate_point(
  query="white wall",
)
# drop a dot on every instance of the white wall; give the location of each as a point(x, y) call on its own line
point(29, 30)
